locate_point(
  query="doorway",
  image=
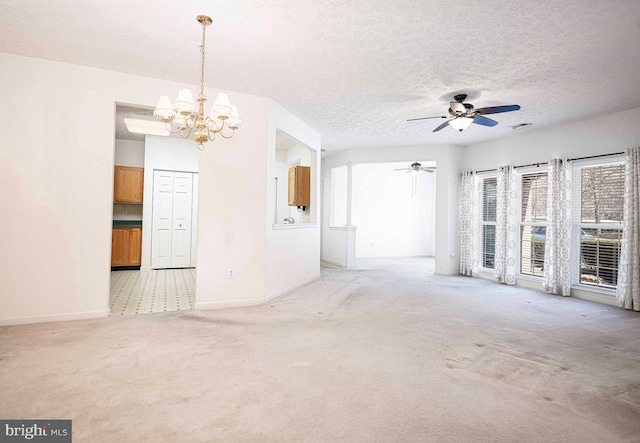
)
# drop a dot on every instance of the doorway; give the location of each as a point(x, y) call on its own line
point(394, 209)
point(142, 289)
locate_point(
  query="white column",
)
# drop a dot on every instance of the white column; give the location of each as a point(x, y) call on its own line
point(349, 192)
point(351, 230)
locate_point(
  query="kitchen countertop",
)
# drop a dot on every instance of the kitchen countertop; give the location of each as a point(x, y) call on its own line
point(127, 223)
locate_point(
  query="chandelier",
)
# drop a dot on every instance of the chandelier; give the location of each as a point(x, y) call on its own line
point(182, 116)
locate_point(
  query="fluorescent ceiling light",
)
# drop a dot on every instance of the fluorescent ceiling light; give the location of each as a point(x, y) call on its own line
point(144, 126)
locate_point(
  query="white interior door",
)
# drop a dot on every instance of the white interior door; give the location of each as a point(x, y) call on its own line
point(181, 234)
point(162, 219)
point(172, 219)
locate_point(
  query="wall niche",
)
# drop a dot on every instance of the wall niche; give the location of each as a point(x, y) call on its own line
point(291, 154)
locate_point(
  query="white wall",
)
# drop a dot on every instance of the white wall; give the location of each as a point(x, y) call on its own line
point(292, 254)
point(394, 218)
point(125, 211)
point(448, 159)
point(606, 134)
point(129, 153)
point(337, 192)
point(281, 172)
point(232, 209)
point(69, 160)
point(167, 154)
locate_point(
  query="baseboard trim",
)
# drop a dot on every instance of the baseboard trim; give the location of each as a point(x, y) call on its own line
point(53, 318)
point(211, 305)
point(332, 264)
point(580, 292)
point(594, 295)
point(292, 288)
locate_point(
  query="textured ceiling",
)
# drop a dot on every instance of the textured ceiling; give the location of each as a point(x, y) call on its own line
point(357, 70)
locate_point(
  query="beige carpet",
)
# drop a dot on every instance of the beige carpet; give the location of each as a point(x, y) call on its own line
point(386, 353)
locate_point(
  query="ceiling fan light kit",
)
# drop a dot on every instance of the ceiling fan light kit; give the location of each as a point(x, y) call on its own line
point(461, 114)
point(461, 123)
point(184, 117)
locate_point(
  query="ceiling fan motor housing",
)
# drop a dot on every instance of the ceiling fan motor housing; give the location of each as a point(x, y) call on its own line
point(457, 108)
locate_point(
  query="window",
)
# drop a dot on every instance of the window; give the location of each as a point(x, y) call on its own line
point(532, 223)
point(599, 228)
point(489, 201)
point(338, 201)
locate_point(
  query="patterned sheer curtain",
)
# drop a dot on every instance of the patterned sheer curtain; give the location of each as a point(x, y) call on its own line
point(628, 290)
point(469, 238)
point(506, 226)
point(556, 276)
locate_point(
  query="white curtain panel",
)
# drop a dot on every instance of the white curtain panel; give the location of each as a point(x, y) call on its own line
point(556, 276)
point(628, 290)
point(506, 226)
point(469, 238)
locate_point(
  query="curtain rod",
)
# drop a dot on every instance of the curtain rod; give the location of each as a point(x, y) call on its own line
point(544, 163)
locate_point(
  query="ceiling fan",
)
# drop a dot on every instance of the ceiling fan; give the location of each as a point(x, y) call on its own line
point(417, 167)
point(461, 114)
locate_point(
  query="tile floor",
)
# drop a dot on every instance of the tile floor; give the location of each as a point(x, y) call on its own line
point(143, 292)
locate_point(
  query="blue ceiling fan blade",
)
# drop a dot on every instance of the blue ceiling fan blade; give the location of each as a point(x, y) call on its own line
point(484, 121)
point(497, 109)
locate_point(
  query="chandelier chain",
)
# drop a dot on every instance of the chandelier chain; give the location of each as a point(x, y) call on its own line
point(204, 30)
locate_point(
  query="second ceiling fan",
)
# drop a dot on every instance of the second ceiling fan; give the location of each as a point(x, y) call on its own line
point(461, 114)
point(417, 167)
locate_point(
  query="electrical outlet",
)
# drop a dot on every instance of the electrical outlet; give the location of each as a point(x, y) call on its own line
point(231, 273)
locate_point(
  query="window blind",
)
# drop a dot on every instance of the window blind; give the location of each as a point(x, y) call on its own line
point(534, 197)
point(533, 217)
point(489, 202)
point(601, 210)
point(489, 198)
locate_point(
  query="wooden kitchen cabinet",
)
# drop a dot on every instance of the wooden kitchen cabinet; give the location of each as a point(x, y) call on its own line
point(126, 247)
point(300, 186)
point(135, 246)
point(128, 184)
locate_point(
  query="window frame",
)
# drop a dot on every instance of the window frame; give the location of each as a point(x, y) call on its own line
point(577, 225)
point(338, 189)
point(521, 173)
point(482, 222)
